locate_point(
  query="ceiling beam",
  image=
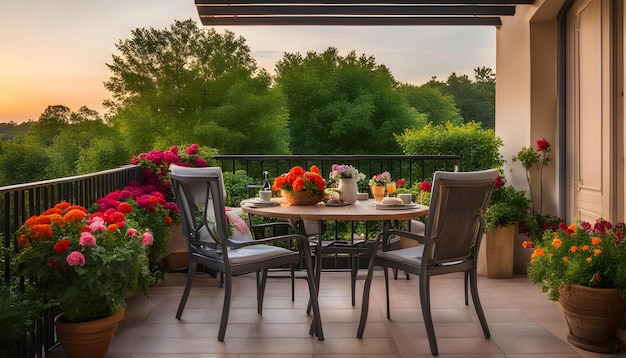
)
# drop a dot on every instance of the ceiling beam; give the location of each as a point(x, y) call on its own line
point(351, 21)
point(356, 12)
point(361, 10)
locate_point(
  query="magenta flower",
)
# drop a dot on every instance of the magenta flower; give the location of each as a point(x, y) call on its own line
point(75, 258)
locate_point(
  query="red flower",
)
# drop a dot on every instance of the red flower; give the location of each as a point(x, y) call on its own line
point(125, 208)
point(61, 246)
point(426, 186)
point(543, 145)
point(400, 182)
point(499, 182)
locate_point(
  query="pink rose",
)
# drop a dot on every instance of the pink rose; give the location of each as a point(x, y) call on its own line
point(75, 258)
point(132, 232)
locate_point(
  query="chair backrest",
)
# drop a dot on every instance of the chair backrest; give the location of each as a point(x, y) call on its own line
point(454, 221)
point(199, 194)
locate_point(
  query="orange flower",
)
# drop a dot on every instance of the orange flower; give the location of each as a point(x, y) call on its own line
point(56, 219)
point(572, 228)
point(62, 205)
point(557, 243)
point(22, 240)
point(573, 249)
point(112, 228)
point(52, 211)
point(565, 258)
point(596, 240)
point(588, 259)
point(74, 215)
point(539, 252)
point(40, 231)
point(585, 247)
point(597, 252)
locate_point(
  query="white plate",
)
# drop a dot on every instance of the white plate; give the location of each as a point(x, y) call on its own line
point(255, 203)
point(392, 206)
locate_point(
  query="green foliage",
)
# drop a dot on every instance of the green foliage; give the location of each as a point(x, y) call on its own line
point(236, 186)
point(12, 130)
point(19, 313)
point(342, 105)
point(102, 153)
point(22, 161)
point(438, 108)
point(508, 206)
point(478, 148)
point(191, 84)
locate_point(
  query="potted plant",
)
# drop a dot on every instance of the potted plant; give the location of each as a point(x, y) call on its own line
point(378, 184)
point(507, 208)
point(155, 171)
point(583, 266)
point(300, 187)
point(84, 263)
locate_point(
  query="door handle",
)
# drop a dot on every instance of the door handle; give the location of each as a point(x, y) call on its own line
point(578, 184)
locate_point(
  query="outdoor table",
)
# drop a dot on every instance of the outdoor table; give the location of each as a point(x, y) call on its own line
point(361, 210)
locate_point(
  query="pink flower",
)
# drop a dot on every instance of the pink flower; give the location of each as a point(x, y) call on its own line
point(97, 225)
point(174, 149)
point(75, 258)
point(147, 238)
point(132, 232)
point(87, 239)
point(192, 150)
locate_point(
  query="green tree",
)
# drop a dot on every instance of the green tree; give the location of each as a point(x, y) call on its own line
point(191, 84)
point(50, 123)
point(342, 105)
point(475, 99)
point(429, 100)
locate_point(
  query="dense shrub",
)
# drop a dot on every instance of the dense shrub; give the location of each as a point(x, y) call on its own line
point(478, 148)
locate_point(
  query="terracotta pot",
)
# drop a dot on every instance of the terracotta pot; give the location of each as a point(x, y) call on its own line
point(301, 197)
point(378, 191)
point(593, 316)
point(88, 339)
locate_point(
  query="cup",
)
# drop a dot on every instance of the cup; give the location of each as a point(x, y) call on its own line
point(405, 197)
point(265, 195)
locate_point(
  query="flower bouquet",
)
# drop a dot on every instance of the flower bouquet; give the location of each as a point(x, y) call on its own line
point(342, 171)
point(84, 262)
point(300, 187)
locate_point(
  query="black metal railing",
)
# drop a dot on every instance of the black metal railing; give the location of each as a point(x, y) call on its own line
point(19, 202)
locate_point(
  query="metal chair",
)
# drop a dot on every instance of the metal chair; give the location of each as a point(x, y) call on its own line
point(199, 194)
point(450, 243)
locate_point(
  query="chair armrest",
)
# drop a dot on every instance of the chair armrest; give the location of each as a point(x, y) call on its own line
point(269, 240)
point(410, 235)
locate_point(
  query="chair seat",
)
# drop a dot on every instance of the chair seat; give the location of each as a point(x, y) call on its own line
point(257, 252)
point(409, 256)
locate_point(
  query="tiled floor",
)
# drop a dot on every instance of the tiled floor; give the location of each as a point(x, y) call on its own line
point(523, 322)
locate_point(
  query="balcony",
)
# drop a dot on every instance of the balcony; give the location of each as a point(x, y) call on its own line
point(522, 320)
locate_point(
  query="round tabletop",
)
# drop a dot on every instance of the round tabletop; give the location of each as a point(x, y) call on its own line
point(361, 210)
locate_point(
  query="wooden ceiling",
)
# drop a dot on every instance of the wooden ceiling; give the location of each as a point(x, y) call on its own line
point(356, 12)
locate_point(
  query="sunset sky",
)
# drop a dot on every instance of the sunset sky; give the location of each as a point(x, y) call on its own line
point(54, 52)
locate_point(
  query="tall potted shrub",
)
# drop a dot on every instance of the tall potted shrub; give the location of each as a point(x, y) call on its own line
point(508, 207)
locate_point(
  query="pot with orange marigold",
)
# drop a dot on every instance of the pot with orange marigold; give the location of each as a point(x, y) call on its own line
point(84, 262)
point(300, 187)
point(580, 254)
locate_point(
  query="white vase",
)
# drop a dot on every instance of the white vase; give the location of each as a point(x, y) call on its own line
point(349, 190)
